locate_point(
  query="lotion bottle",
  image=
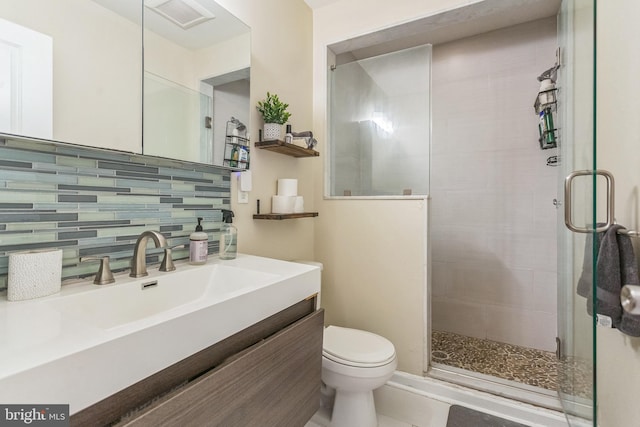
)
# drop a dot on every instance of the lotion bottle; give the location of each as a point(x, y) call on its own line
point(198, 245)
point(288, 138)
point(228, 236)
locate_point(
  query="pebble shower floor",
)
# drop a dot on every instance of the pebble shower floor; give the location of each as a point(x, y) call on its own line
point(511, 362)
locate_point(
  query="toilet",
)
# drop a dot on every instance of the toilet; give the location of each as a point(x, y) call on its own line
point(354, 363)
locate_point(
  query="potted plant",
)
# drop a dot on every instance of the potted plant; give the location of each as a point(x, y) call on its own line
point(274, 113)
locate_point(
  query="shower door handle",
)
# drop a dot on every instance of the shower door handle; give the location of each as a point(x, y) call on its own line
point(568, 203)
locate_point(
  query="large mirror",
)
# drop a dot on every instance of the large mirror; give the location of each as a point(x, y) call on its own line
point(74, 71)
point(70, 71)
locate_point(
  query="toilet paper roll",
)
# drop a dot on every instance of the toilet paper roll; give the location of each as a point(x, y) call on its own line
point(287, 187)
point(282, 204)
point(34, 274)
point(298, 206)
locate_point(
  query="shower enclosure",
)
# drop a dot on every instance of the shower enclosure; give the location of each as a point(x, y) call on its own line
point(577, 142)
point(493, 220)
point(503, 268)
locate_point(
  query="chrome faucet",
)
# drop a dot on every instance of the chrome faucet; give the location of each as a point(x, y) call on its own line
point(139, 259)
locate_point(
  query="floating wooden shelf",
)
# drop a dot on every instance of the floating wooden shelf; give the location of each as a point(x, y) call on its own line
point(285, 148)
point(286, 216)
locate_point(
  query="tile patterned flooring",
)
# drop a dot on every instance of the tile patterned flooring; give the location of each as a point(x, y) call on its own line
point(383, 421)
point(524, 365)
point(322, 419)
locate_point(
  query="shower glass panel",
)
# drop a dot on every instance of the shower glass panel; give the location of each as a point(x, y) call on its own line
point(379, 115)
point(576, 108)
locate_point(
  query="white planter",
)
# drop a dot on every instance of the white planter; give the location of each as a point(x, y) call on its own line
point(272, 131)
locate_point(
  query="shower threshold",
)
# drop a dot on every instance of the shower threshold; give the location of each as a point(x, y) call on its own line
point(537, 396)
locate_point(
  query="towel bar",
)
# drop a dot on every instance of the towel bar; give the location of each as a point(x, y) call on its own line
point(630, 233)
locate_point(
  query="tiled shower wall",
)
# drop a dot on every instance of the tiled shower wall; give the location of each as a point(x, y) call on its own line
point(493, 220)
point(94, 202)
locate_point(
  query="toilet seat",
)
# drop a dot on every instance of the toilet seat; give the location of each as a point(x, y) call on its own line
point(353, 347)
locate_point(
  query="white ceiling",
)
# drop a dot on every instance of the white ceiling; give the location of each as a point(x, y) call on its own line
point(225, 26)
point(475, 18)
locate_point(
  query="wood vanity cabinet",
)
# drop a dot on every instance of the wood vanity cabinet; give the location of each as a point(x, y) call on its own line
point(266, 375)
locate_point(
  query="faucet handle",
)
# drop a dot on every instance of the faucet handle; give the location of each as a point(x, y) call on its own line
point(167, 261)
point(104, 276)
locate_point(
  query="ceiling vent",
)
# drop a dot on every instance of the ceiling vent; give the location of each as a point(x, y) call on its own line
point(183, 13)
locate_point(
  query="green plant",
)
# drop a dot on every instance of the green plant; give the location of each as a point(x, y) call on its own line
point(273, 110)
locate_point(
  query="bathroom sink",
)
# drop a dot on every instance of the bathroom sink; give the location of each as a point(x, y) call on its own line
point(158, 296)
point(88, 341)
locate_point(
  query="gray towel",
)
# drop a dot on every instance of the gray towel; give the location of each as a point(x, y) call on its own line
point(608, 278)
point(630, 323)
point(585, 283)
point(616, 266)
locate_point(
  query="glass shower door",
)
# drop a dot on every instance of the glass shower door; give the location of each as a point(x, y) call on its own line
point(576, 142)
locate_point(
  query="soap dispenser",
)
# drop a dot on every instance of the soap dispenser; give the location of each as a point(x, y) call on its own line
point(228, 236)
point(198, 245)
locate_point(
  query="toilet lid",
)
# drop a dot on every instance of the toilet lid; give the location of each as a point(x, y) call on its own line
point(353, 346)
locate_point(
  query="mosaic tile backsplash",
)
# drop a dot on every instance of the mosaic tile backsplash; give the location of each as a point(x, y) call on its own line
point(95, 202)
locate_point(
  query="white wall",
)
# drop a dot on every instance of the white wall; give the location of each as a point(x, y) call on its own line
point(618, 150)
point(493, 221)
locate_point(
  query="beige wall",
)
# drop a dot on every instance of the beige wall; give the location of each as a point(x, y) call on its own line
point(281, 38)
point(618, 150)
point(374, 255)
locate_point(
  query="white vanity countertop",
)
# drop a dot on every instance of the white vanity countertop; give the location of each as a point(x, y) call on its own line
point(88, 342)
